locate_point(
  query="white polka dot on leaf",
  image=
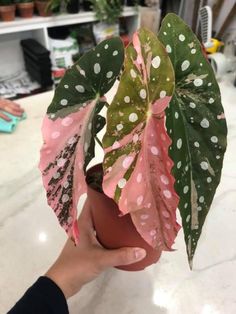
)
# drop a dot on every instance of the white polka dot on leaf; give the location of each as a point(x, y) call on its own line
point(164, 179)
point(198, 82)
point(167, 194)
point(122, 183)
point(204, 165)
point(181, 37)
point(97, 68)
point(80, 88)
point(179, 143)
point(127, 99)
point(55, 135)
point(64, 102)
point(185, 189)
point(168, 48)
point(139, 200)
point(214, 139)
point(143, 93)
point(156, 62)
point(133, 74)
point(162, 94)
point(205, 123)
point(109, 74)
point(133, 117)
point(154, 150)
point(185, 65)
point(119, 127)
point(139, 177)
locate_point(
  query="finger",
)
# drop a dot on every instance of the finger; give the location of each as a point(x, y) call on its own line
point(5, 117)
point(123, 256)
point(16, 113)
point(12, 104)
point(85, 217)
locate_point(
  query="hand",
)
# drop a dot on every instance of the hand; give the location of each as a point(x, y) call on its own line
point(10, 107)
point(77, 265)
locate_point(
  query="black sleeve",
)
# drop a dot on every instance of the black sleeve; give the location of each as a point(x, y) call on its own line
point(44, 297)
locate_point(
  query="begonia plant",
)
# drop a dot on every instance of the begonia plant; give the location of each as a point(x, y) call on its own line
point(165, 134)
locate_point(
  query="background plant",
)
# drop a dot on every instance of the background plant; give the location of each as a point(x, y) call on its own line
point(107, 11)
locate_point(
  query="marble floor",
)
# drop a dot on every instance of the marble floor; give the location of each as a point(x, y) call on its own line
point(30, 237)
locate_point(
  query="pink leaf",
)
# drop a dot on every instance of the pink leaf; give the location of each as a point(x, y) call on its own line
point(61, 163)
point(136, 164)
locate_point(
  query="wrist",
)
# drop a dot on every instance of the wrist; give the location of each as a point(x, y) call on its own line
point(64, 283)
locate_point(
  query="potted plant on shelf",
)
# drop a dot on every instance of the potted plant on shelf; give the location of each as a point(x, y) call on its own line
point(164, 143)
point(7, 10)
point(25, 8)
point(107, 13)
point(43, 8)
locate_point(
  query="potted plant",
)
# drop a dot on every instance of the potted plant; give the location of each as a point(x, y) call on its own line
point(71, 6)
point(25, 8)
point(7, 10)
point(164, 143)
point(43, 8)
point(107, 13)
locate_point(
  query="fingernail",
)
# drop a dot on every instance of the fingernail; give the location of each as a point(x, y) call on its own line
point(139, 253)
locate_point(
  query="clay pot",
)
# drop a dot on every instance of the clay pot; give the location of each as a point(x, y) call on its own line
point(42, 8)
point(26, 9)
point(7, 12)
point(114, 231)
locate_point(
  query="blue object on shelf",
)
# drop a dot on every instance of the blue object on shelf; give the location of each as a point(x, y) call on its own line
point(9, 127)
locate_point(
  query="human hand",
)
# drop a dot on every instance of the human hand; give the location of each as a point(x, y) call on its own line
point(77, 265)
point(10, 107)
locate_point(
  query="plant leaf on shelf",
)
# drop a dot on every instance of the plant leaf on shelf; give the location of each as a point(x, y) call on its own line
point(70, 126)
point(196, 124)
point(137, 169)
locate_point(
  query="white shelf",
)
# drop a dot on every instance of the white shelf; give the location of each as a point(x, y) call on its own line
point(38, 22)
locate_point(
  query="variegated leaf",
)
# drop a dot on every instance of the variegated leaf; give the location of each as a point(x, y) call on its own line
point(70, 127)
point(137, 169)
point(196, 123)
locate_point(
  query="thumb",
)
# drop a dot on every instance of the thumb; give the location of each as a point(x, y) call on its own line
point(123, 256)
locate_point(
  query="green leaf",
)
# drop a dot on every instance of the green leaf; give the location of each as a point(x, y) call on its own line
point(195, 121)
point(137, 168)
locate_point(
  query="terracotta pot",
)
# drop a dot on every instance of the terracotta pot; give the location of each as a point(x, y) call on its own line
point(26, 9)
point(114, 231)
point(41, 7)
point(7, 12)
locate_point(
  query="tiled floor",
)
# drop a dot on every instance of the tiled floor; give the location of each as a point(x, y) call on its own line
point(30, 238)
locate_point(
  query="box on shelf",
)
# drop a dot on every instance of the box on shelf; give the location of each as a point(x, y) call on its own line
point(37, 62)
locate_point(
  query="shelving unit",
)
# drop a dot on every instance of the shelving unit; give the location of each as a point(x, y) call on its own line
point(37, 22)
point(37, 27)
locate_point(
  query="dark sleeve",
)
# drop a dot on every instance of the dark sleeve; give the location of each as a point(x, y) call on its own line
point(44, 297)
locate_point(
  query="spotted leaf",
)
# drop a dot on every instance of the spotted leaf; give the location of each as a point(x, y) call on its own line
point(137, 169)
point(70, 127)
point(196, 124)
